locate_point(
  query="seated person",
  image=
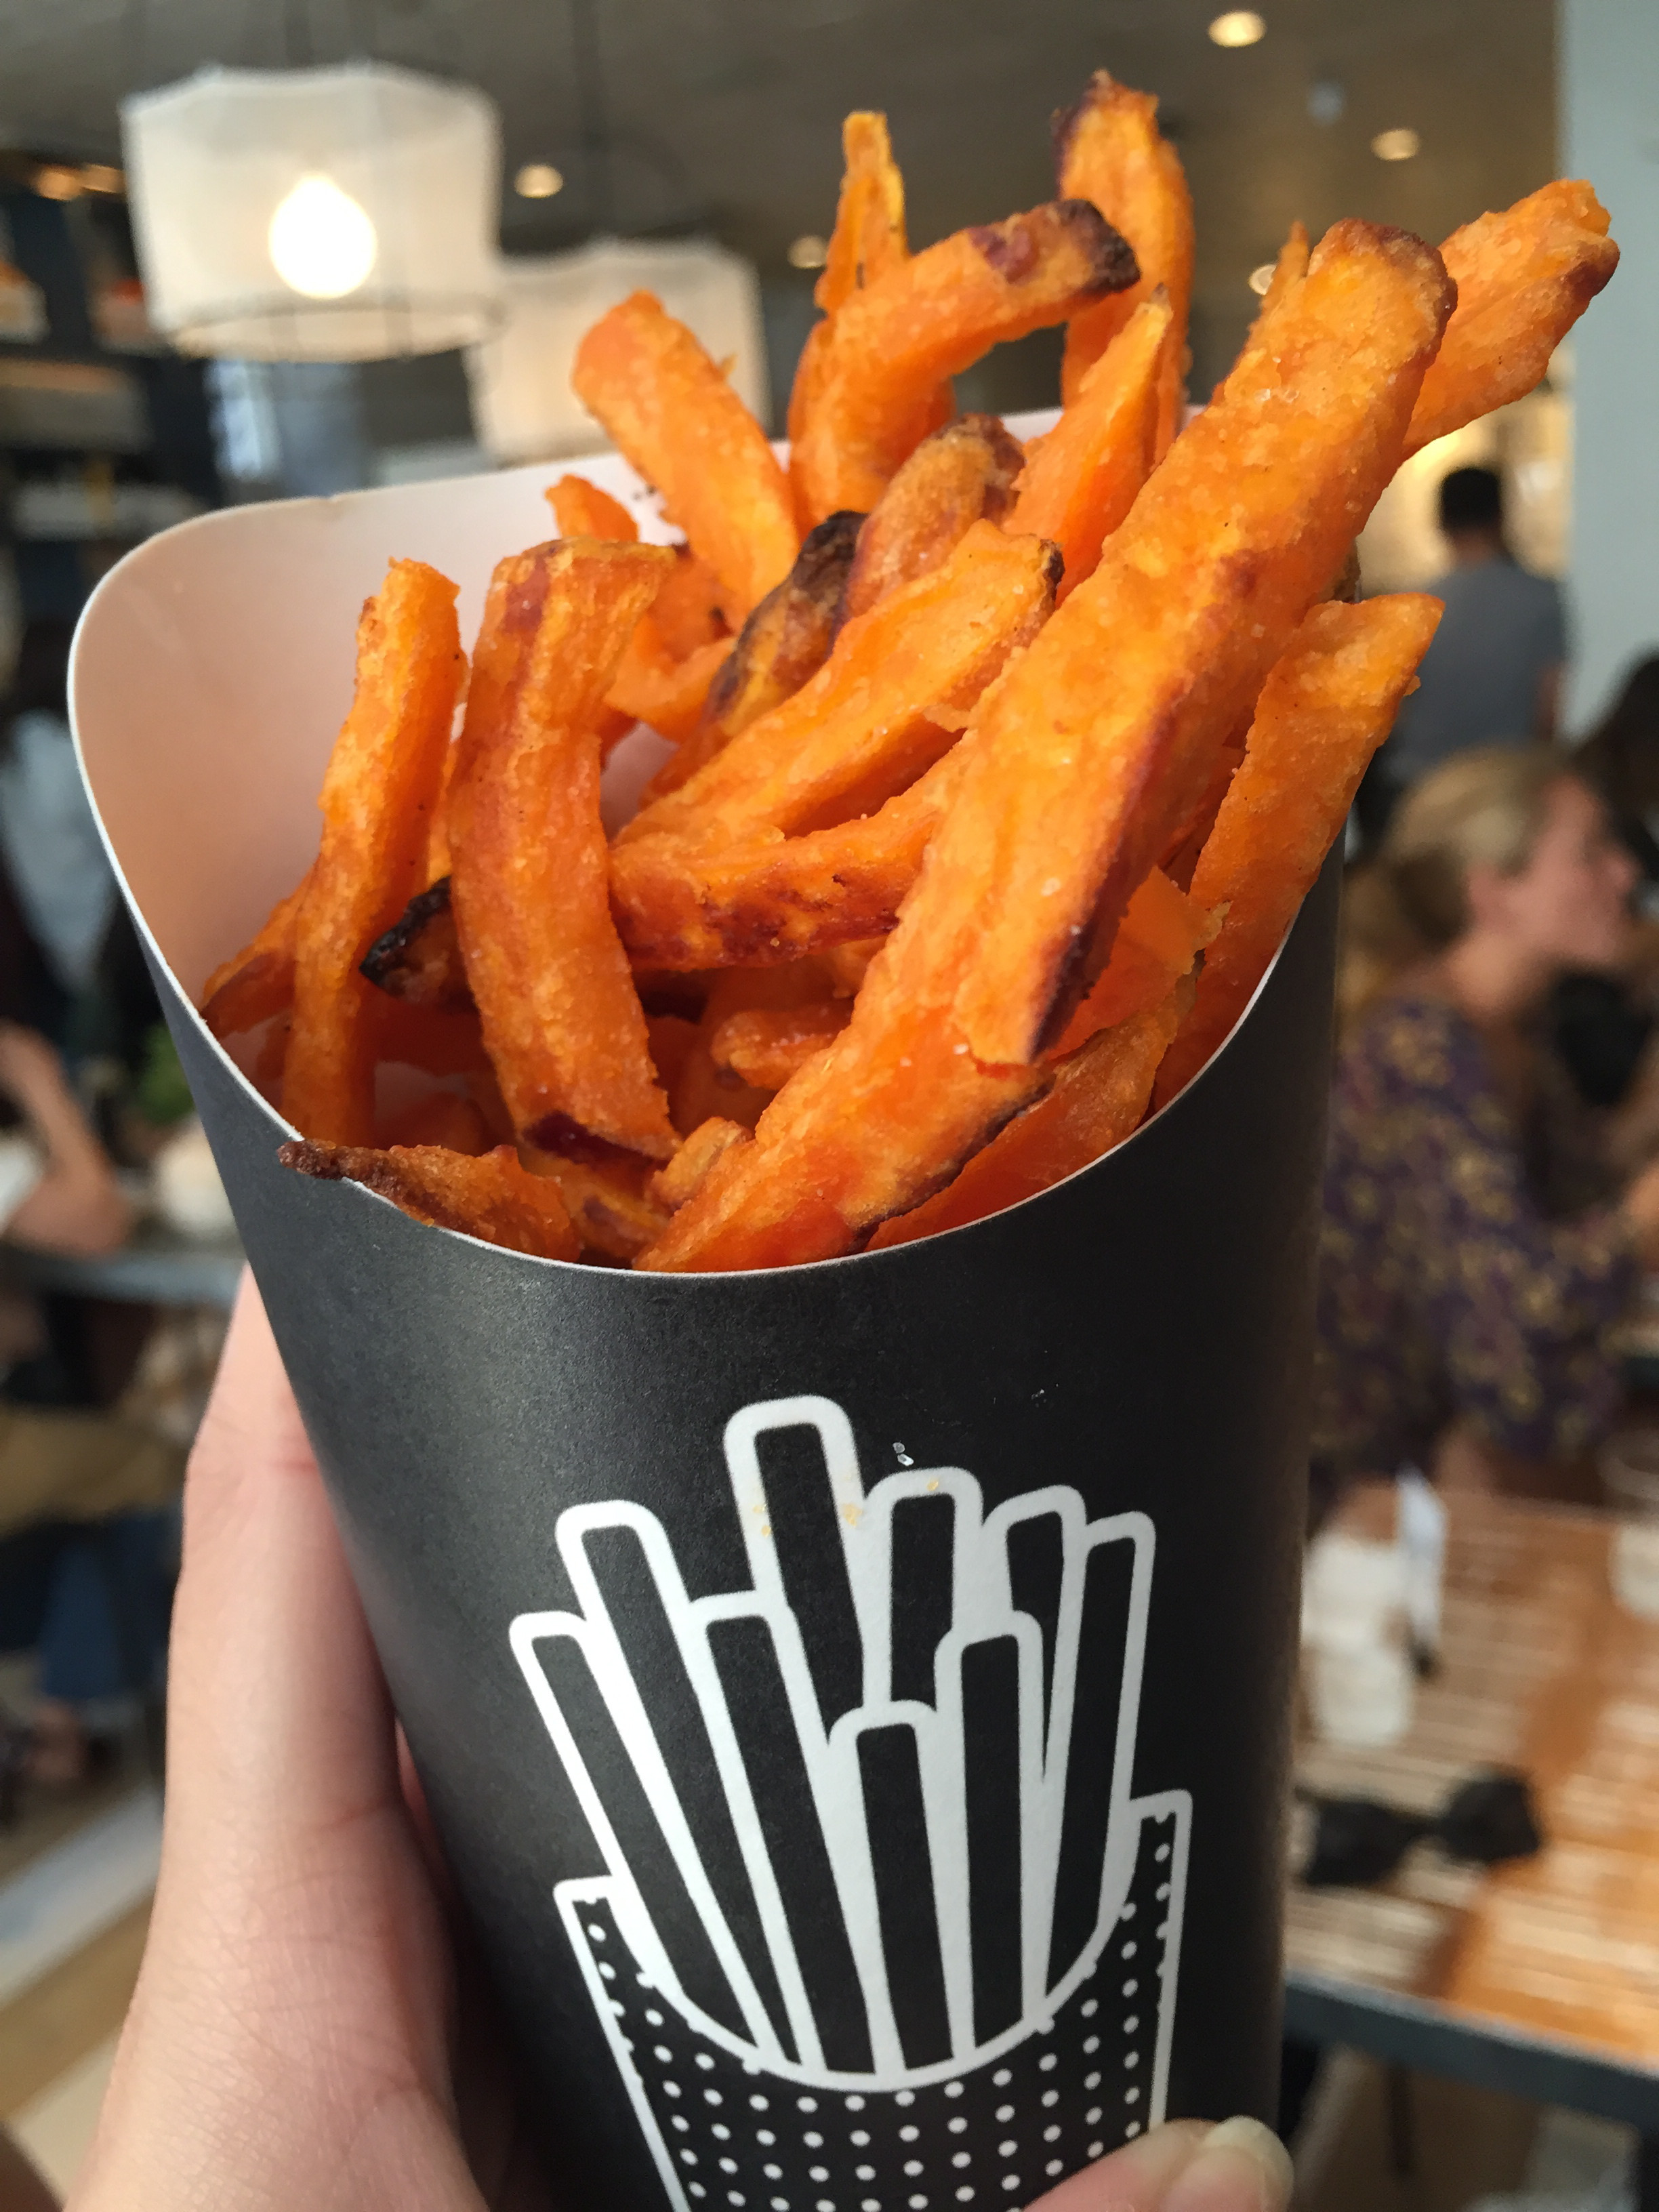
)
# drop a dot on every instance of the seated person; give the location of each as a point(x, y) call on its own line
point(1476, 1246)
point(85, 1532)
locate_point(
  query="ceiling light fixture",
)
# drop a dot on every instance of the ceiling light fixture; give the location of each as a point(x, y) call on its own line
point(538, 181)
point(322, 244)
point(809, 251)
point(1395, 145)
point(1239, 26)
point(1261, 277)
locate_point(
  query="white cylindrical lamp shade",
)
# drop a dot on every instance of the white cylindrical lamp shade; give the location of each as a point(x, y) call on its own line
point(343, 213)
point(522, 403)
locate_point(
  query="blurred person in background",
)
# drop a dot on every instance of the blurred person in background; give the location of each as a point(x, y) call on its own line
point(1621, 759)
point(1483, 1229)
point(1492, 675)
point(48, 837)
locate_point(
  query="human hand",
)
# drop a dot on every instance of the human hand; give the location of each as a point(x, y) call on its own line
point(30, 1070)
point(303, 2032)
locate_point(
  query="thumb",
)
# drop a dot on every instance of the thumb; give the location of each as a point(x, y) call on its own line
point(1239, 2166)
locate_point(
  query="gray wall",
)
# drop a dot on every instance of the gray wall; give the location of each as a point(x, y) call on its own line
point(1610, 52)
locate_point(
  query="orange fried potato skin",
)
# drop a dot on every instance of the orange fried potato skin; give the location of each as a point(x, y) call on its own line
point(1110, 151)
point(1327, 705)
point(489, 1196)
point(963, 472)
point(672, 1186)
point(765, 1046)
point(380, 791)
point(259, 981)
point(581, 509)
point(561, 1020)
point(669, 409)
point(1086, 474)
point(1524, 278)
point(783, 644)
point(891, 345)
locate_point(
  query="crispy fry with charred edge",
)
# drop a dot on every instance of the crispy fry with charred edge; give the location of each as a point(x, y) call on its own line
point(1083, 478)
point(563, 1025)
point(608, 1200)
point(378, 795)
point(1100, 1096)
point(1070, 798)
point(1239, 528)
point(881, 709)
point(1108, 150)
point(672, 1186)
point(889, 346)
point(672, 413)
point(867, 242)
point(1326, 706)
point(418, 959)
point(489, 1197)
point(259, 982)
point(581, 509)
point(773, 898)
point(965, 470)
point(765, 1046)
point(783, 644)
point(1162, 934)
point(1524, 278)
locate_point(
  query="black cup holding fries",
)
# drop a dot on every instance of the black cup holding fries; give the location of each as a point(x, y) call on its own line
point(854, 1699)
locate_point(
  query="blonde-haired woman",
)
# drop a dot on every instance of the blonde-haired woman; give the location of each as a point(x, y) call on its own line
point(1476, 1247)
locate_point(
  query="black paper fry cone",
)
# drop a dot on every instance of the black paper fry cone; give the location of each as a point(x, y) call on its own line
point(855, 1698)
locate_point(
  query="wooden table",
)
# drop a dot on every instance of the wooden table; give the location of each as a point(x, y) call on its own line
point(1540, 1976)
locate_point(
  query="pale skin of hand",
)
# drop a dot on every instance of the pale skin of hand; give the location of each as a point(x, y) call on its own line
point(301, 2034)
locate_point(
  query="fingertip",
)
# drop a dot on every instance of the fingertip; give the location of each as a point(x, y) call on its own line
point(1136, 2179)
point(1239, 2166)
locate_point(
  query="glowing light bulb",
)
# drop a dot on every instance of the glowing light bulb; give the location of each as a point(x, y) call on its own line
point(322, 243)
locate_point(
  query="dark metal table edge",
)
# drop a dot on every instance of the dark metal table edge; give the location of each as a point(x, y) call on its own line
point(1477, 2048)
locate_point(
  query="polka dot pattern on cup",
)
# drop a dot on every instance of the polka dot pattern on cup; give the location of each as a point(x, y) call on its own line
point(741, 2140)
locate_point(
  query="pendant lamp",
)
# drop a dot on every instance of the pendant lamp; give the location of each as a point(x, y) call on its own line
point(339, 214)
point(522, 402)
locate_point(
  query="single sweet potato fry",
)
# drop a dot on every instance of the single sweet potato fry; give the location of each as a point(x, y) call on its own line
point(672, 1186)
point(1100, 1096)
point(259, 982)
point(1289, 269)
point(581, 509)
point(444, 1040)
point(651, 686)
point(682, 906)
point(1161, 934)
point(418, 959)
point(378, 795)
point(1084, 477)
point(1326, 706)
point(667, 406)
point(688, 609)
point(489, 1197)
point(965, 470)
point(1084, 785)
point(883, 707)
point(441, 1118)
point(608, 1200)
point(1524, 278)
point(764, 1046)
point(1108, 150)
point(891, 345)
point(563, 1025)
point(1076, 783)
point(782, 645)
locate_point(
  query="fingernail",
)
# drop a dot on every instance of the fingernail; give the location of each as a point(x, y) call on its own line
point(1240, 2167)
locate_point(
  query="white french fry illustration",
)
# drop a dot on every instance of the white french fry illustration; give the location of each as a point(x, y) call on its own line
point(868, 1830)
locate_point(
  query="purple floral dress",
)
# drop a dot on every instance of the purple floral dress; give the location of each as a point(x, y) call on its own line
point(1469, 1268)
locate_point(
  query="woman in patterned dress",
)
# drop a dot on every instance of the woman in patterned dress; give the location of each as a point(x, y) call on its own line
point(1478, 1246)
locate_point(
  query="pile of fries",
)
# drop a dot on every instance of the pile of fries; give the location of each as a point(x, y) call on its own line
point(998, 773)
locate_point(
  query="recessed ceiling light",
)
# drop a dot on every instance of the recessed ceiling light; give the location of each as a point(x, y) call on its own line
point(1239, 26)
point(1261, 277)
point(53, 182)
point(808, 252)
point(1395, 145)
point(537, 180)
